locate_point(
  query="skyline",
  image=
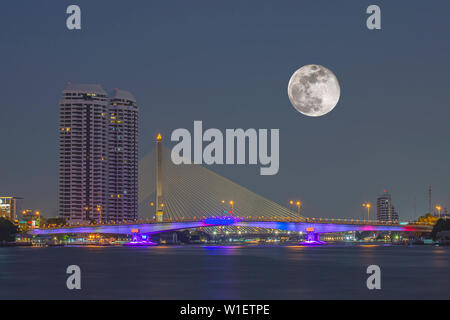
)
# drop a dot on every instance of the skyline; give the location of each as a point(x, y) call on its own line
point(348, 161)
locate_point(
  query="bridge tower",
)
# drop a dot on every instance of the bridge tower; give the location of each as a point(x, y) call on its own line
point(159, 190)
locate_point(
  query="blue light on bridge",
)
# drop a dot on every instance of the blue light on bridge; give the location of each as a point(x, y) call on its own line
point(219, 221)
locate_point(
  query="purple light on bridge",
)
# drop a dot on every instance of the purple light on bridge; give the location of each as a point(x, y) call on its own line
point(312, 243)
point(166, 226)
point(141, 240)
point(140, 244)
point(312, 239)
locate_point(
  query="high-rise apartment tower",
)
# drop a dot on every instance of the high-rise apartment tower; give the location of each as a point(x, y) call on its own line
point(122, 157)
point(97, 154)
point(385, 209)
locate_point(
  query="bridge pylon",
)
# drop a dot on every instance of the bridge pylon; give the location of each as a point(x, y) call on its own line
point(159, 185)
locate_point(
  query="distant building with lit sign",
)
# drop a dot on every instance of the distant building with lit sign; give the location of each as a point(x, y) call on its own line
point(29, 220)
point(9, 207)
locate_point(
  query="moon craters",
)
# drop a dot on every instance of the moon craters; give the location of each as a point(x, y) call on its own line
point(313, 90)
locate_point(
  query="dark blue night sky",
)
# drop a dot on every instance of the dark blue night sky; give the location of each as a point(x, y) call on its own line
point(228, 63)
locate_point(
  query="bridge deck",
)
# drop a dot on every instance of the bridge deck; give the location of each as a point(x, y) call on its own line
point(303, 225)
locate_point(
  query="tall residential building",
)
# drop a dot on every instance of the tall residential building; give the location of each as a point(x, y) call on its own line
point(82, 152)
point(98, 154)
point(122, 157)
point(385, 209)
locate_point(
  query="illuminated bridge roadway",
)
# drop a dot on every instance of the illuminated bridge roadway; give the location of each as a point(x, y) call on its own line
point(312, 227)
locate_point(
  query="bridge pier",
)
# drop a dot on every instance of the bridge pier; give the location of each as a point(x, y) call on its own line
point(312, 238)
point(141, 239)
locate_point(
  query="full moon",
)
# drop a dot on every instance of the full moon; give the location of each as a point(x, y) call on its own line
point(314, 90)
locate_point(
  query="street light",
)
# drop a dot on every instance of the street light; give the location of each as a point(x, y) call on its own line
point(231, 203)
point(297, 203)
point(367, 205)
point(439, 210)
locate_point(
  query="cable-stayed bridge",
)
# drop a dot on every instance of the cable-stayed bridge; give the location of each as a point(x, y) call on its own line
point(192, 191)
point(175, 197)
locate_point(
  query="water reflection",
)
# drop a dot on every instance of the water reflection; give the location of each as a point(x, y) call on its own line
point(226, 272)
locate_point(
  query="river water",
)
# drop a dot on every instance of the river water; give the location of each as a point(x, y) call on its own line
point(234, 272)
